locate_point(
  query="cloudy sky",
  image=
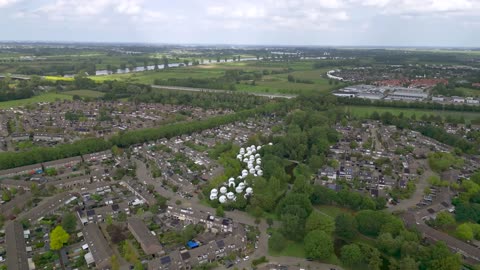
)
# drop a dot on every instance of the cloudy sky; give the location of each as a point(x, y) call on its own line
point(286, 22)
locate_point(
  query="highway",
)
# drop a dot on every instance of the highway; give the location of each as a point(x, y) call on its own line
point(191, 89)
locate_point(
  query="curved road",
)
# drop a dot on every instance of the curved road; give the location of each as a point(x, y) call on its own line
point(417, 196)
point(143, 174)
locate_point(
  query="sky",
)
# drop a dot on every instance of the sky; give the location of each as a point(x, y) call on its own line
point(436, 23)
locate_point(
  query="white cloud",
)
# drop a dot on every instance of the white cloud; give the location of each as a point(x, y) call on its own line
point(4, 3)
point(129, 7)
point(245, 21)
point(272, 14)
point(80, 10)
point(423, 7)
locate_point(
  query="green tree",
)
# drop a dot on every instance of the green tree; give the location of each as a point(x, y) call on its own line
point(408, 263)
point(138, 266)
point(318, 245)
point(293, 224)
point(464, 232)
point(219, 211)
point(114, 262)
point(320, 221)
point(69, 222)
point(129, 253)
point(370, 222)
point(374, 258)
point(109, 220)
point(277, 242)
point(394, 226)
point(388, 244)
point(269, 221)
point(6, 195)
point(346, 226)
point(351, 255)
point(302, 185)
point(444, 219)
point(439, 257)
point(58, 237)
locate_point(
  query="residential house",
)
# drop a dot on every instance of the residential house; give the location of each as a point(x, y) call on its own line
point(100, 251)
point(16, 249)
point(144, 236)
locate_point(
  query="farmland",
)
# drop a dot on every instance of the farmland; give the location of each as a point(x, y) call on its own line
point(148, 77)
point(269, 83)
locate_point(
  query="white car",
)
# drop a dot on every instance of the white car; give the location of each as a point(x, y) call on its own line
point(246, 258)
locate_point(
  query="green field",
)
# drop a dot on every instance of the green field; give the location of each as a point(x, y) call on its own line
point(275, 83)
point(46, 97)
point(85, 93)
point(293, 249)
point(364, 112)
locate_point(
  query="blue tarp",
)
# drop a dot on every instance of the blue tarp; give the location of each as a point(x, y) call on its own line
point(192, 244)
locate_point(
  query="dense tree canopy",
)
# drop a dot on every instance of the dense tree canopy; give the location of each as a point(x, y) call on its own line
point(318, 245)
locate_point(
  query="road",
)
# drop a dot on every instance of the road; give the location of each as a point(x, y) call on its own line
point(262, 250)
point(417, 196)
point(143, 174)
point(191, 89)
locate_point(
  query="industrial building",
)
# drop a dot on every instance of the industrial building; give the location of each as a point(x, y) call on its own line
point(407, 94)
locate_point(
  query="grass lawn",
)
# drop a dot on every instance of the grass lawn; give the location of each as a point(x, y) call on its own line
point(363, 112)
point(46, 97)
point(293, 249)
point(85, 93)
point(279, 83)
point(332, 211)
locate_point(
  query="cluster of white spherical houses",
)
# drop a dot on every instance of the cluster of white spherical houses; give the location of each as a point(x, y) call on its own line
point(252, 159)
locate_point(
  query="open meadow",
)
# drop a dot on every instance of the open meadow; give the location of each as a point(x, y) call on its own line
point(365, 112)
point(311, 79)
point(46, 97)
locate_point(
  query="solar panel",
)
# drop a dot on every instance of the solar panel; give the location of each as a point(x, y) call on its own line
point(165, 260)
point(185, 255)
